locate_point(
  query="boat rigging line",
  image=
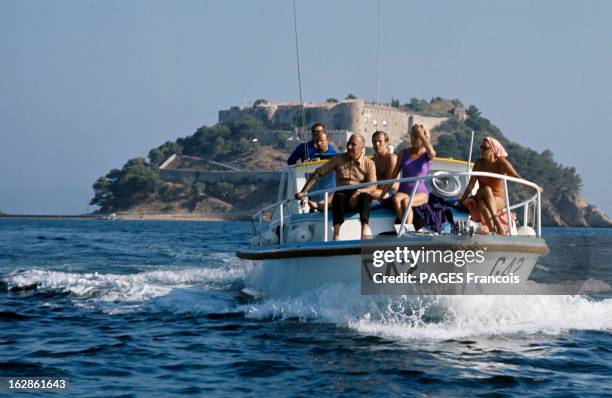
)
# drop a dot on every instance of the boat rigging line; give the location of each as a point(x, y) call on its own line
point(469, 162)
point(297, 56)
point(378, 53)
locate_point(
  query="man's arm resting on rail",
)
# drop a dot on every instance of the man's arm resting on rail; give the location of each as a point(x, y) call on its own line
point(311, 181)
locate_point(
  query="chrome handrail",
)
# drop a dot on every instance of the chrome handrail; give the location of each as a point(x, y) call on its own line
point(326, 192)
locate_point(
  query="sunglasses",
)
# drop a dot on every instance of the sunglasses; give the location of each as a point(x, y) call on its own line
point(482, 147)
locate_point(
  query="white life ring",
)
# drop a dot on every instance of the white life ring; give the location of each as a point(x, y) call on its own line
point(446, 185)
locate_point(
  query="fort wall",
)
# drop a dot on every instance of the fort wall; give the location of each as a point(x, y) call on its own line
point(353, 116)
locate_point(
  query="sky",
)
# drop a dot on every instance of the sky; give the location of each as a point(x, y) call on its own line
point(86, 85)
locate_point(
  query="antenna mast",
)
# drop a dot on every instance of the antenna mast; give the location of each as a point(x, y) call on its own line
point(378, 53)
point(297, 56)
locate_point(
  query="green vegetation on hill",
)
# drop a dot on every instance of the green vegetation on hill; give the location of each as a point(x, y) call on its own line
point(139, 181)
point(219, 142)
point(438, 106)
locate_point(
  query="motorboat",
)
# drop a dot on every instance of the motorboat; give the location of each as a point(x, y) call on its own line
point(291, 249)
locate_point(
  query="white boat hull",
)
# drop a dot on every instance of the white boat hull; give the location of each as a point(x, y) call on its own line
point(291, 270)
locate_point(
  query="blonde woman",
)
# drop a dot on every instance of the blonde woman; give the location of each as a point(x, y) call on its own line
point(413, 162)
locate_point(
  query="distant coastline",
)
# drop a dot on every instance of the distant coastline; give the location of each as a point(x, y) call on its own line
point(51, 216)
point(179, 217)
point(237, 216)
point(131, 217)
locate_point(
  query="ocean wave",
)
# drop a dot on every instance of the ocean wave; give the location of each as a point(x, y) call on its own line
point(135, 287)
point(439, 317)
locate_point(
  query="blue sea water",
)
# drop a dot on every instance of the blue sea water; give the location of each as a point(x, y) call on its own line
point(128, 308)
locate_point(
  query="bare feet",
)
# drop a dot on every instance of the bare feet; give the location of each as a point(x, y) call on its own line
point(499, 229)
point(365, 231)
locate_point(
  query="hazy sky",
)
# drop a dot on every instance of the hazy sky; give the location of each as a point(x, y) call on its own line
point(86, 85)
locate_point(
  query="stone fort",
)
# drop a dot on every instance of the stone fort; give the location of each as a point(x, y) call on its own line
point(341, 118)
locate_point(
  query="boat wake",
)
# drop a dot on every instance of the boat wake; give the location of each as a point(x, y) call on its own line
point(204, 291)
point(116, 293)
point(440, 317)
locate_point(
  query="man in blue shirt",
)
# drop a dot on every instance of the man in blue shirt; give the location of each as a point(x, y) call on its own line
point(317, 147)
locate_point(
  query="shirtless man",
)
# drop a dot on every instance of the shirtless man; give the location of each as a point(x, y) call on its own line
point(385, 163)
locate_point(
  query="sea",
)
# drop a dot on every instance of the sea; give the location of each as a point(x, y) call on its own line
point(151, 309)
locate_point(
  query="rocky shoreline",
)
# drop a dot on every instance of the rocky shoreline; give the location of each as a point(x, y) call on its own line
point(572, 210)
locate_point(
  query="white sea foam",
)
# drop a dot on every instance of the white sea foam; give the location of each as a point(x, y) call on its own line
point(497, 315)
point(124, 288)
point(440, 317)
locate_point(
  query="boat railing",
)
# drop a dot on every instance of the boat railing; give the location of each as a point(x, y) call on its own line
point(282, 207)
